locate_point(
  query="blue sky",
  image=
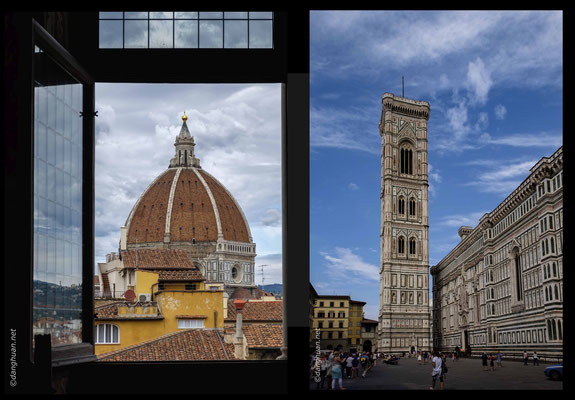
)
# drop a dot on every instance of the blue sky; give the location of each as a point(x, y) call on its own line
point(494, 81)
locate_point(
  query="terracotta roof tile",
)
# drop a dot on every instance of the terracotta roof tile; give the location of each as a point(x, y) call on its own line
point(181, 275)
point(258, 311)
point(241, 293)
point(263, 336)
point(157, 259)
point(185, 345)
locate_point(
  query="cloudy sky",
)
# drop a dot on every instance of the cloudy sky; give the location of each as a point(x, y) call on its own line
point(237, 130)
point(494, 83)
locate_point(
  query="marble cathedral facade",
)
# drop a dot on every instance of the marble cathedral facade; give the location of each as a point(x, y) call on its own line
point(501, 287)
point(404, 314)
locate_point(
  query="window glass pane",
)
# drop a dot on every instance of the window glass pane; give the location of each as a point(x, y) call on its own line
point(136, 14)
point(186, 34)
point(112, 15)
point(192, 15)
point(114, 334)
point(211, 34)
point(162, 15)
point(210, 15)
point(236, 15)
point(136, 34)
point(110, 34)
point(108, 333)
point(236, 34)
point(57, 282)
point(260, 34)
point(261, 15)
point(161, 34)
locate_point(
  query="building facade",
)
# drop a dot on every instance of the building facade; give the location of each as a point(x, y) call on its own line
point(404, 314)
point(332, 321)
point(501, 287)
point(355, 318)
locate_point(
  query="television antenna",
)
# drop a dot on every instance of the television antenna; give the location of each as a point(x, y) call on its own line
point(263, 276)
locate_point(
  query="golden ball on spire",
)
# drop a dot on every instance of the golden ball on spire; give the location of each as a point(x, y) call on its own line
point(185, 117)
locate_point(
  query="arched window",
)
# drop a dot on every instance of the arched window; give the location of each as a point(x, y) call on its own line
point(556, 292)
point(401, 245)
point(560, 334)
point(545, 272)
point(554, 269)
point(552, 245)
point(107, 334)
point(412, 246)
point(518, 277)
point(492, 309)
point(406, 161)
point(546, 294)
point(554, 329)
point(401, 205)
point(549, 332)
point(412, 207)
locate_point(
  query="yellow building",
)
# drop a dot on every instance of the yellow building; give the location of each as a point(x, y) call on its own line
point(169, 294)
point(331, 318)
point(355, 318)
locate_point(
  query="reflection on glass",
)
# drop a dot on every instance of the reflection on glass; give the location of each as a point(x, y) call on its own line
point(211, 34)
point(186, 34)
point(136, 34)
point(110, 34)
point(235, 34)
point(261, 34)
point(161, 34)
point(57, 282)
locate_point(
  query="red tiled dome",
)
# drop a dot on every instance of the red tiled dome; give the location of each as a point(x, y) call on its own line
point(196, 206)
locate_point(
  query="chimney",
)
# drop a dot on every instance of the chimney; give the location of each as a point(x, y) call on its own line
point(239, 350)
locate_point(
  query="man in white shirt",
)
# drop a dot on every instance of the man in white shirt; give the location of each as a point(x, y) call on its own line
point(437, 372)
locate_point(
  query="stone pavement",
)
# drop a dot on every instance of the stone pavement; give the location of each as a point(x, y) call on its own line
point(464, 374)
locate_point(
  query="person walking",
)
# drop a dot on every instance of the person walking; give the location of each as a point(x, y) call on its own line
point(337, 372)
point(348, 366)
point(425, 357)
point(484, 361)
point(419, 357)
point(525, 358)
point(535, 358)
point(363, 361)
point(491, 359)
point(355, 366)
point(499, 360)
point(437, 371)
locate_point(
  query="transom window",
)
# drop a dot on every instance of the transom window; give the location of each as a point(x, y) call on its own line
point(186, 30)
point(191, 323)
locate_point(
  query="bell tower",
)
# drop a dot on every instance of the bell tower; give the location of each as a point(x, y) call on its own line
point(404, 313)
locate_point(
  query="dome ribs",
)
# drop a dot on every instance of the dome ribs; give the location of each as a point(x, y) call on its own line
point(192, 221)
point(233, 225)
point(148, 222)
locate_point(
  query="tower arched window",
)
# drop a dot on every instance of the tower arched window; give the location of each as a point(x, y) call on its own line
point(554, 269)
point(401, 205)
point(412, 207)
point(406, 161)
point(401, 245)
point(556, 292)
point(412, 246)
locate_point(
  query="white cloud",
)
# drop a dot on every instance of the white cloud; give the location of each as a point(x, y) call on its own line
point(479, 81)
point(503, 177)
point(346, 265)
point(459, 220)
point(352, 186)
point(500, 111)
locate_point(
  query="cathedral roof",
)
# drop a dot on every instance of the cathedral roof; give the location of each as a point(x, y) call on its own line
point(186, 204)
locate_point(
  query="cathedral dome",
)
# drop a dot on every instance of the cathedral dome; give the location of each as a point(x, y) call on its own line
point(186, 205)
